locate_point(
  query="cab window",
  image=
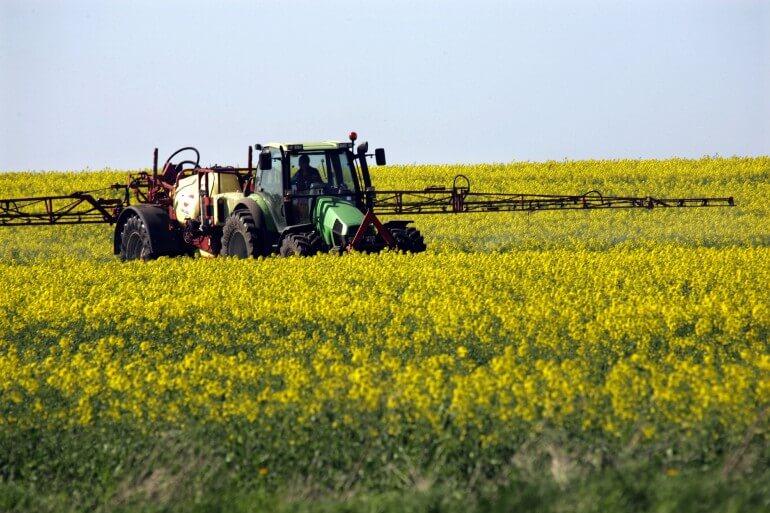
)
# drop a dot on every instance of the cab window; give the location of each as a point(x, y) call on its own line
point(316, 171)
point(324, 169)
point(270, 179)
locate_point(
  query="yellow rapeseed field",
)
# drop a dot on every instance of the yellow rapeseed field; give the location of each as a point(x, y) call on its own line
point(619, 324)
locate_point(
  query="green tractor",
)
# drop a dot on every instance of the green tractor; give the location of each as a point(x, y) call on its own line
point(301, 199)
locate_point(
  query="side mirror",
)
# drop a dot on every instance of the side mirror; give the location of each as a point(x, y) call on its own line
point(362, 148)
point(379, 156)
point(265, 161)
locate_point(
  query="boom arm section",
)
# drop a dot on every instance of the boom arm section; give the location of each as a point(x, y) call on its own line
point(75, 208)
point(460, 199)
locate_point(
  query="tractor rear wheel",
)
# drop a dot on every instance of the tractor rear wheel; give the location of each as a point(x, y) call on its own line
point(408, 239)
point(240, 236)
point(299, 244)
point(135, 240)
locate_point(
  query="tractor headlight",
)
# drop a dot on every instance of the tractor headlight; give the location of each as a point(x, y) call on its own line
point(337, 235)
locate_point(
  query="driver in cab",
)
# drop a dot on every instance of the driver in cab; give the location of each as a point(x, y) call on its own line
point(306, 174)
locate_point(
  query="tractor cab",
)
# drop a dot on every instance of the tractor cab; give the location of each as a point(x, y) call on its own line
point(295, 176)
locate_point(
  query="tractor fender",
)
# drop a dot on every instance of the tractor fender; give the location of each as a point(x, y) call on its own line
point(258, 216)
point(297, 228)
point(397, 224)
point(164, 240)
point(291, 229)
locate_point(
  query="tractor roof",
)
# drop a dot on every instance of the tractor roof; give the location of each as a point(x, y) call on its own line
point(317, 145)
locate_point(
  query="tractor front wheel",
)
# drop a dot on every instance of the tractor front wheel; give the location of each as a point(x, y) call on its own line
point(408, 239)
point(240, 236)
point(135, 240)
point(299, 244)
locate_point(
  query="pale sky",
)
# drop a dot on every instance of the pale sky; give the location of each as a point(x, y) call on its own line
point(96, 84)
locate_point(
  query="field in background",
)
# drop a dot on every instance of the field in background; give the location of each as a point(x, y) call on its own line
point(561, 360)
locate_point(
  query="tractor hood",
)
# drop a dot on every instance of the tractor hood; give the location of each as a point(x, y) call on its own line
point(337, 219)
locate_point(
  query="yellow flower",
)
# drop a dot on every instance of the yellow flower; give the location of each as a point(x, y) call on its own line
point(623, 322)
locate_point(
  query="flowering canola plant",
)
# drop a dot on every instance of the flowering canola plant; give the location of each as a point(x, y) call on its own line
point(612, 324)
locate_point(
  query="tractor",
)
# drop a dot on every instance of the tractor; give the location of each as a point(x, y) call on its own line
point(275, 208)
point(300, 199)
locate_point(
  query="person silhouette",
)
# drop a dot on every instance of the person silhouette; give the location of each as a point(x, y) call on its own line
point(306, 175)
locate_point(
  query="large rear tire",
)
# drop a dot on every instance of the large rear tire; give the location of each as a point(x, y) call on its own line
point(135, 240)
point(300, 244)
point(240, 236)
point(409, 239)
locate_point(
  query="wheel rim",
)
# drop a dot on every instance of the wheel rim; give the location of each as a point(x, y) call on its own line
point(237, 246)
point(134, 246)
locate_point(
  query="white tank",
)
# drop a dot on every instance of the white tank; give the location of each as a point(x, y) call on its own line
point(186, 202)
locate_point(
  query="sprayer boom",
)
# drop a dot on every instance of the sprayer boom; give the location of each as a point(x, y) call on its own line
point(75, 208)
point(460, 199)
point(299, 199)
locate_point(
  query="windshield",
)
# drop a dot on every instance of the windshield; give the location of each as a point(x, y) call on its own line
point(327, 171)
